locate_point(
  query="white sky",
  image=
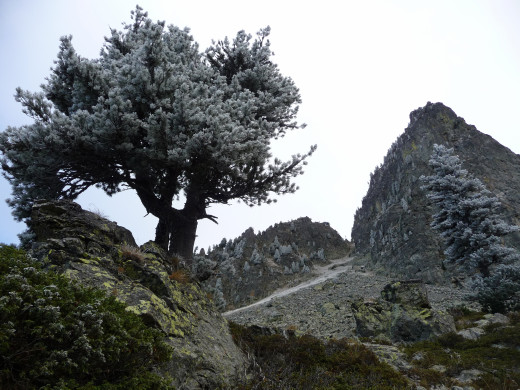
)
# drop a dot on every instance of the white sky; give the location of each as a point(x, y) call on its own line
point(361, 67)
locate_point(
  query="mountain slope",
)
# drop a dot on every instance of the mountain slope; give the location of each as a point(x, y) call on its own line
point(250, 267)
point(392, 227)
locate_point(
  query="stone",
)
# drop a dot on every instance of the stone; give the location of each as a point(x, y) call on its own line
point(467, 376)
point(471, 333)
point(497, 318)
point(404, 315)
point(328, 308)
point(438, 368)
point(410, 292)
point(204, 353)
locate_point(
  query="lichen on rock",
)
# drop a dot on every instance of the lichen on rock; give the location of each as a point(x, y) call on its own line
point(98, 253)
point(402, 315)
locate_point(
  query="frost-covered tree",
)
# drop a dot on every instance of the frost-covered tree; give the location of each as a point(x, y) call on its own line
point(468, 214)
point(156, 115)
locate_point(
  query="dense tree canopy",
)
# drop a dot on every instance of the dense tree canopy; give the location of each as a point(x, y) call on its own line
point(156, 115)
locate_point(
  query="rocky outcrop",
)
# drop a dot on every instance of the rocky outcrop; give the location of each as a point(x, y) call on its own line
point(392, 227)
point(403, 315)
point(99, 253)
point(252, 266)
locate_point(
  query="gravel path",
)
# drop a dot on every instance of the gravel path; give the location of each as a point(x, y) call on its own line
point(322, 306)
point(321, 274)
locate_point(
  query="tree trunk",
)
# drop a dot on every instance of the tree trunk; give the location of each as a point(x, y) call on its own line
point(162, 233)
point(182, 237)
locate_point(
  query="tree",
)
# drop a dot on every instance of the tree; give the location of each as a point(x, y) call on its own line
point(468, 214)
point(156, 115)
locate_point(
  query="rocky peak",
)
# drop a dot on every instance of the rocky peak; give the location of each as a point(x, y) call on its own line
point(392, 227)
point(251, 266)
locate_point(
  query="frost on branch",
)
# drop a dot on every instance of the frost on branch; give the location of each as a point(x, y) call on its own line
point(155, 114)
point(468, 214)
point(468, 220)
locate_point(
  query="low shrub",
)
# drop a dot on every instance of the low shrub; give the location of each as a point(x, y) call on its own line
point(496, 354)
point(55, 334)
point(306, 362)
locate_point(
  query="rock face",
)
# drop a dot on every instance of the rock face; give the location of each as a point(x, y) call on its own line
point(392, 227)
point(98, 253)
point(252, 266)
point(403, 315)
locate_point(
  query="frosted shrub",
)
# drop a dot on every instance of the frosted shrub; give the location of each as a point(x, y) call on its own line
point(59, 334)
point(500, 292)
point(285, 250)
point(218, 295)
point(202, 267)
point(256, 258)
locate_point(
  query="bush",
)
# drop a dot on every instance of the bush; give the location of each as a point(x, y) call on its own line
point(308, 363)
point(500, 292)
point(496, 354)
point(56, 334)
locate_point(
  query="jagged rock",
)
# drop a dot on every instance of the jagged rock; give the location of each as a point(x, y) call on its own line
point(392, 227)
point(254, 265)
point(98, 253)
point(409, 292)
point(404, 315)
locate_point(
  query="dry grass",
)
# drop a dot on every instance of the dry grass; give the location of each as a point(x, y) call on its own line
point(180, 276)
point(129, 252)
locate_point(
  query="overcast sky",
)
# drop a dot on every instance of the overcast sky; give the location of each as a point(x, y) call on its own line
point(361, 67)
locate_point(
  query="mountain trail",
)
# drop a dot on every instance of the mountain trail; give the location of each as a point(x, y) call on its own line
point(322, 273)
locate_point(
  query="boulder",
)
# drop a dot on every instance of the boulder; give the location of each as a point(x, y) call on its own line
point(403, 315)
point(99, 253)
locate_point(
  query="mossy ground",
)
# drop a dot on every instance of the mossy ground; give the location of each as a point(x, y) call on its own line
point(308, 363)
point(496, 354)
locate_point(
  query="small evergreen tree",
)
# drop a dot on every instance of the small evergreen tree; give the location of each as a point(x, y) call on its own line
point(500, 292)
point(468, 220)
point(467, 217)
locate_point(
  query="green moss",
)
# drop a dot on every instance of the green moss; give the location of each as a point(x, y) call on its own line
point(425, 314)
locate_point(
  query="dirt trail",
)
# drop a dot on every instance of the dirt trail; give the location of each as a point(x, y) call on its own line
point(322, 273)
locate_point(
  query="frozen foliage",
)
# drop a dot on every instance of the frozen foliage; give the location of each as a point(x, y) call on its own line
point(58, 334)
point(202, 267)
point(500, 292)
point(319, 255)
point(467, 216)
point(156, 115)
point(256, 257)
point(277, 257)
point(218, 295)
point(286, 249)
point(239, 249)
